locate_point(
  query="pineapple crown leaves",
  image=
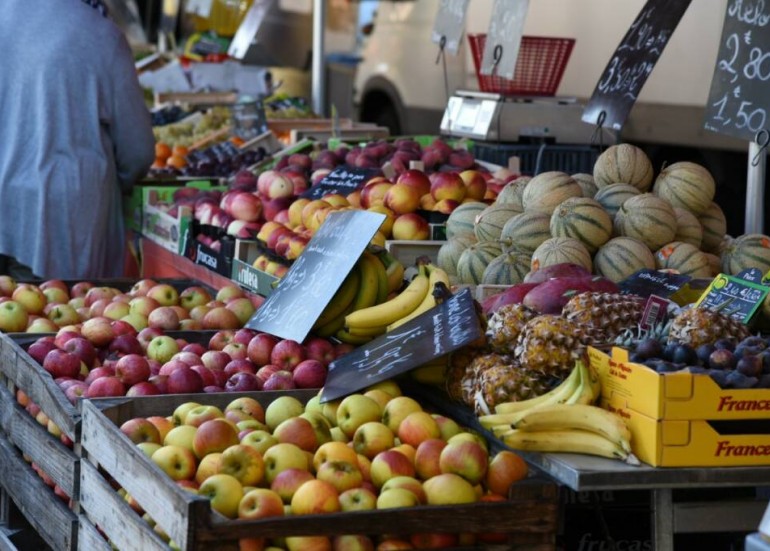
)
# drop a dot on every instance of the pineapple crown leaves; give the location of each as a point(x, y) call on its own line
point(630, 336)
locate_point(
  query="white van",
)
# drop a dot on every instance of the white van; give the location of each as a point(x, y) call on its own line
point(399, 83)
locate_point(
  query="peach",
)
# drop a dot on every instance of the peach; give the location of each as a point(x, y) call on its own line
point(411, 226)
point(448, 185)
point(402, 198)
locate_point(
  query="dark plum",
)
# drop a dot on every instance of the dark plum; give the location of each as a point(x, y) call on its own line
point(649, 348)
point(726, 344)
point(668, 351)
point(636, 358)
point(668, 367)
point(749, 365)
point(719, 377)
point(722, 358)
point(738, 380)
point(696, 369)
point(704, 351)
point(764, 381)
point(765, 361)
point(684, 354)
point(754, 341)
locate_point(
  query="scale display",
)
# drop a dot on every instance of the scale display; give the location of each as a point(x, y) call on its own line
point(471, 117)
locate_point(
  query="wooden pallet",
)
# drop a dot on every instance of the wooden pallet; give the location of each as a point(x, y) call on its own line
point(530, 516)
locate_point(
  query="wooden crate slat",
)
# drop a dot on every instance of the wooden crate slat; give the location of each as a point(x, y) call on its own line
point(45, 512)
point(26, 374)
point(104, 507)
point(89, 538)
point(31, 438)
point(168, 504)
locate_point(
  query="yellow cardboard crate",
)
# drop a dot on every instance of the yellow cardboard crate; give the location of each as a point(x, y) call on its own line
point(678, 395)
point(692, 443)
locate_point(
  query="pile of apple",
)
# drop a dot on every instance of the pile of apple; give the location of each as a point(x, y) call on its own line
point(51, 305)
point(372, 450)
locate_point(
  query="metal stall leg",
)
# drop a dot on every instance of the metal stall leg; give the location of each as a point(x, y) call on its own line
point(662, 520)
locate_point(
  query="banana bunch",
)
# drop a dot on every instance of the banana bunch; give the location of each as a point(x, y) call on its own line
point(563, 420)
point(371, 282)
point(363, 324)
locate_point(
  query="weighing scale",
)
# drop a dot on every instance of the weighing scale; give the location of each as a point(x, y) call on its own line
point(496, 118)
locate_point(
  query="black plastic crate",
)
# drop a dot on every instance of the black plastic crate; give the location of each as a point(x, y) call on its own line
point(537, 158)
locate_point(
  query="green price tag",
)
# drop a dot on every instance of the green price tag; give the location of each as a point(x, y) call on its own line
point(734, 297)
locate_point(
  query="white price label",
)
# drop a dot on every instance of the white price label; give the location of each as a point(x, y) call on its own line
point(201, 8)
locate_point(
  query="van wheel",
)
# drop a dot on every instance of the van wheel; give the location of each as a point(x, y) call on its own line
point(379, 109)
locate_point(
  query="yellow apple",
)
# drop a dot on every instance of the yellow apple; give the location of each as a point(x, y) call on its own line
point(225, 493)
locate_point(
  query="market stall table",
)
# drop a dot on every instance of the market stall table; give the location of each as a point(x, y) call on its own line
point(588, 473)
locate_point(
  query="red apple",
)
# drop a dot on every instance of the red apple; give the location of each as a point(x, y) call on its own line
point(105, 386)
point(132, 369)
point(184, 380)
point(260, 348)
point(243, 382)
point(309, 374)
point(143, 388)
point(317, 348)
point(287, 354)
point(60, 363)
point(216, 360)
point(126, 344)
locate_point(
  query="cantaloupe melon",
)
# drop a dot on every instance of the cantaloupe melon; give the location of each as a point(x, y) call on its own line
point(623, 164)
point(747, 251)
point(526, 231)
point(683, 258)
point(507, 269)
point(489, 223)
point(612, 197)
point(622, 257)
point(586, 183)
point(688, 229)
point(512, 192)
point(647, 218)
point(584, 219)
point(548, 190)
point(686, 185)
point(714, 226)
point(463, 218)
point(475, 259)
point(560, 250)
point(449, 253)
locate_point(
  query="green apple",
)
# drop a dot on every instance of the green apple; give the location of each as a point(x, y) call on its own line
point(162, 348)
point(354, 411)
point(282, 408)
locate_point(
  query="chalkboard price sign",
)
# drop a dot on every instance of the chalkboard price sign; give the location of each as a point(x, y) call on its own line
point(441, 330)
point(342, 180)
point(739, 99)
point(303, 293)
point(450, 24)
point(633, 61)
point(734, 297)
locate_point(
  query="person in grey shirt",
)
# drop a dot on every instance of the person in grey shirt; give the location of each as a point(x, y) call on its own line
point(75, 134)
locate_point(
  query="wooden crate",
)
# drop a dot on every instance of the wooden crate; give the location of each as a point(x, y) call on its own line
point(530, 515)
point(407, 252)
point(60, 527)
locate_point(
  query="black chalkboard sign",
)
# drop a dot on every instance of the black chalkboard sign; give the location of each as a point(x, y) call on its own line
point(342, 180)
point(450, 24)
point(445, 328)
point(648, 282)
point(752, 274)
point(249, 118)
point(633, 61)
point(734, 297)
point(302, 294)
point(739, 99)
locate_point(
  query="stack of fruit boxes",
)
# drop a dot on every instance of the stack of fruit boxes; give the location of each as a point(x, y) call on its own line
point(23, 438)
point(683, 419)
point(530, 515)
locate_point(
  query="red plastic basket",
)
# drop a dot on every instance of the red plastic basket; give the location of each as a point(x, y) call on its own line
point(539, 67)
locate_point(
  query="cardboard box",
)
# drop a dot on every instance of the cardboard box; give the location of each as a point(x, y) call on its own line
point(220, 261)
point(152, 192)
point(673, 396)
point(407, 252)
point(170, 232)
point(245, 274)
point(694, 442)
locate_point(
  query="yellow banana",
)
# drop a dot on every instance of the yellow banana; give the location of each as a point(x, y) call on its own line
point(398, 307)
point(430, 374)
point(596, 383)
point(577, 416)
point(367, 331)
point(584, 393)
point(567, 441)
point(367, 288)
point(346, 337)
point(394, 269)
point(555, 396)
point(341, 299)
point(382, 276)
point(436, 275)
point(334, 325)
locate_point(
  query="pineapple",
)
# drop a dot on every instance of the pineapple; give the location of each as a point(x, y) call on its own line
point(605, 315)
point(506, 383)
point(550, 345)
point(697, 326)
point(504, 326)
point(459, 362)
point(471, 379)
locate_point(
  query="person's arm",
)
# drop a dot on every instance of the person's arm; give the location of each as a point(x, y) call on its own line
point(131, 125)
